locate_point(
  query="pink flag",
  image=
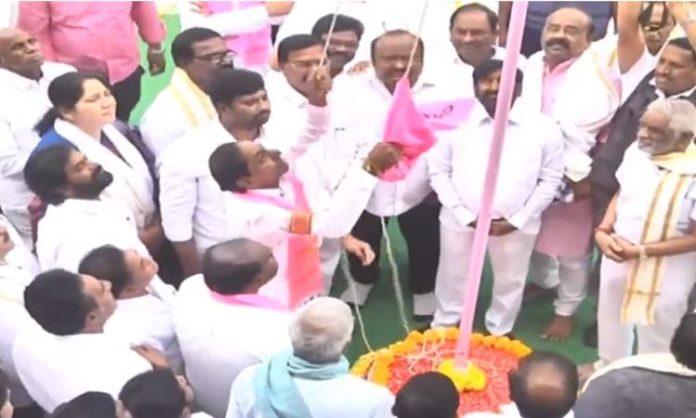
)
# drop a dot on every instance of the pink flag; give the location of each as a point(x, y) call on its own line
point(407, 127)
point(446, 115)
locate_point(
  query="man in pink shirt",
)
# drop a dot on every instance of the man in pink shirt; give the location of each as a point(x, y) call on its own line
point(99, 36)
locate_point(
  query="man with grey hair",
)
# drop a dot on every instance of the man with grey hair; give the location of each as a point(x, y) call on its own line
point(648, 236)
point(312, 380)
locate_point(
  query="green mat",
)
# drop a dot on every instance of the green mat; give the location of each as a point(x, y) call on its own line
point(380, 314)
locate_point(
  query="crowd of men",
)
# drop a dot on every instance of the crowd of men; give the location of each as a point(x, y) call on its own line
point(153, 270)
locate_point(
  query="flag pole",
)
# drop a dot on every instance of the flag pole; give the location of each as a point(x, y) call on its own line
point(483, 222)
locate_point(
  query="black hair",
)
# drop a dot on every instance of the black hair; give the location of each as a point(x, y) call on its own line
point(295, 43)
point(683, 43)
point(683, 345)
point(429, 394)
point(87, 405)
point(230, 83)
point(476, 7)
point(153, 394)
point(64, 92)
point(397, 32)
point(491, 65)
point(182, 46)
point(527, 403)
point(107, 263)
point(45, 174)
point(343, 23)
point(231, 266)
point(228, 165)
point(646, 14)
point(56, 300)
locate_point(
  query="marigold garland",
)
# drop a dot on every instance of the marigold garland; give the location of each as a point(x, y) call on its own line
point(483, 385)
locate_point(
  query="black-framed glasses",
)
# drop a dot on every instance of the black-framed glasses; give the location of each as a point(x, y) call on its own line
point(217, 57)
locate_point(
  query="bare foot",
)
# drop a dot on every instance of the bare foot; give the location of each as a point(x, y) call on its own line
point(559, 329)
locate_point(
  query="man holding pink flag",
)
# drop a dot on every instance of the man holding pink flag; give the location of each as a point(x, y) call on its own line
point(359, 117)
point(529, 178)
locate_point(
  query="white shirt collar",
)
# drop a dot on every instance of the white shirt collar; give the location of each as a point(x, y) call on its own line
point(18, 81)
point(480, 115)
point(421, 84)
point(661, 94)
point(292, 95)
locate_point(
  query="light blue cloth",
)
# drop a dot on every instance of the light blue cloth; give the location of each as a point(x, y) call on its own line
point(275, 391)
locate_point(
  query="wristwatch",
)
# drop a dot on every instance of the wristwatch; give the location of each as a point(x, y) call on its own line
point(642, 253)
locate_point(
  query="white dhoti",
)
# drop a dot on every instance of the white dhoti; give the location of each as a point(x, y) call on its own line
point(509, 255)
point(615, 338)
point(569, 272)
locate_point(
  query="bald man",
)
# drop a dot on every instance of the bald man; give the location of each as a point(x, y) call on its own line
point(570, 82)
point(24, 80)
point(545, 385)
point(223, 325)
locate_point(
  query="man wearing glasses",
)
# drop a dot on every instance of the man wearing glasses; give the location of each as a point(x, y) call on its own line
point(184, 104)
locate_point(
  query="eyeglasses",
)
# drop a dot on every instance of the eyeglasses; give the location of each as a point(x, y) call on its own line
point(217, 57)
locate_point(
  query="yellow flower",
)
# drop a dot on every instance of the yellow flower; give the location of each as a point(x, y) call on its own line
point(452, 333)
point(469, 379)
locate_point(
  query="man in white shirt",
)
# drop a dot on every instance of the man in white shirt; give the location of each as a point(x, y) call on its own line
point(221, 322)
point(473, 36)
point(313, 380)
point(17, 269)
point(190, 199)
point(77, 220)
point(530, 175)
point(75, 356)
point(140, 317)
point(344, 42)
point(361, 107)
point(265, 198)
point(570, 82)
point(24, 80)
point(184, 104)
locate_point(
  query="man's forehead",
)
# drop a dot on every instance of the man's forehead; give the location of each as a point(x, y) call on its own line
point(673, 52)
point(211, 44)
point(9, 36)
point(394, 42)
point(472, 18)
point(570, 17)
point(311, 52)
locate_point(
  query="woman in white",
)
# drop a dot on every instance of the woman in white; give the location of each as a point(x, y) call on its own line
point(84, 116)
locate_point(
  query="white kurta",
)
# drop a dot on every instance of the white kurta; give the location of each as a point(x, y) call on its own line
point(18, 116)
point(56, 369)
point(146, 320)
point(530, 176)
point(219, 340)
point(345, 396)
point(359, 114)
point(69, 231)
point(178, 109)
point(638, 178)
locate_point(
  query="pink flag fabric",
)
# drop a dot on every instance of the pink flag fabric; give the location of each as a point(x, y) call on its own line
point(407, 127)
point(446, 115)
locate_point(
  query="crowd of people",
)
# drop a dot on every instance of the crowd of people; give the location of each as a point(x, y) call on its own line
point(182, 265)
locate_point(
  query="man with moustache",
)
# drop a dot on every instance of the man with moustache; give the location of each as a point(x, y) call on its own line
point(192, 209)
point(77, 220)
point(569, 82)
point(344, 42)
point(530, 177)
point(361, 105)
point(24, 77)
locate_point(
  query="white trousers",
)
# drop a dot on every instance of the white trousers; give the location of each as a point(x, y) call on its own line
point(509, 255)
point(615, 338)
point(571, 275)
point(329, 255)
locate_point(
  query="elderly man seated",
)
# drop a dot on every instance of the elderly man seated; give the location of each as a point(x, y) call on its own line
point(313, 379)
point(647, 385)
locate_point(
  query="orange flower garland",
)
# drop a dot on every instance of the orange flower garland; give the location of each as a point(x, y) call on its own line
point(483, 385)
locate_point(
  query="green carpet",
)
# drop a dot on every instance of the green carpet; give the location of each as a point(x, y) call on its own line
point(380, 314)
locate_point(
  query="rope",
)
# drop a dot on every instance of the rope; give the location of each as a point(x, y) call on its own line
point(328, 35)
point(345, 269)
point(414, 48)
point(396, 284)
